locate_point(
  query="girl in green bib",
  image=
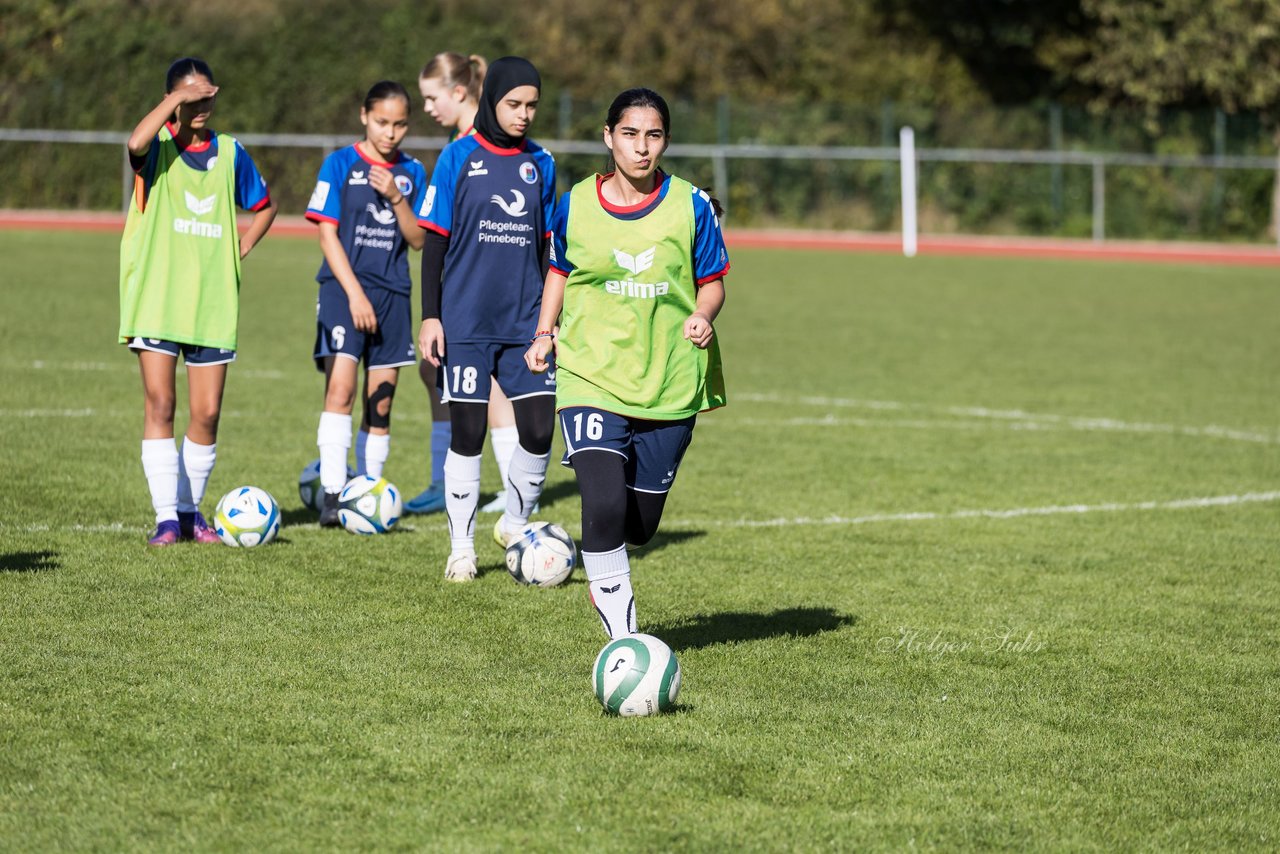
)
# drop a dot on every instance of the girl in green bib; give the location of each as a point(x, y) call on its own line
point(180, 284)
point(636, 280)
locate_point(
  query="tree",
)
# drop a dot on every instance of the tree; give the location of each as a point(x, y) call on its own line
point(1180, 52)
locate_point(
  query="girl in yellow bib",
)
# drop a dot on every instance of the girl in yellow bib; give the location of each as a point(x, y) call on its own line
point(636, 280)
point(180, 284)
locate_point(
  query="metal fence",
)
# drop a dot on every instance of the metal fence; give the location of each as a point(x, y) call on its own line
point(720, 156)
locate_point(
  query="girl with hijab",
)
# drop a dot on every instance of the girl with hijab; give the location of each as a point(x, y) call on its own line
point(487, 214)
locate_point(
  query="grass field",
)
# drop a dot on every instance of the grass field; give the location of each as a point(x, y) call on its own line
point(982, 554)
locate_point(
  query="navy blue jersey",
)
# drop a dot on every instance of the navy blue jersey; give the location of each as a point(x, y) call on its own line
point(710, 258)
point(251, 187)
point(366, 223)
point(495, 206)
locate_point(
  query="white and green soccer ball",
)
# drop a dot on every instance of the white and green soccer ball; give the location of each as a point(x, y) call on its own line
point(369, 505)
point(246, 517)
point(542, 554)
point(309, 488)
point(635, 676)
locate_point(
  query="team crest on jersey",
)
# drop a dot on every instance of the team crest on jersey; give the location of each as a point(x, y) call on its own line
point(528, 173)
point(404, 185)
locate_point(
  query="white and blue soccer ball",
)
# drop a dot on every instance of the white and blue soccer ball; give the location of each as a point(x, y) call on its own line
point(636, 676)
point(542, 554)
point(309, 488)
point(246, 517)
point(369, 505)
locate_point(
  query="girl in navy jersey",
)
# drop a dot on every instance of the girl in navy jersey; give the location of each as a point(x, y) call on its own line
point(180, 283)
point(487, 213)
point(364, 202)
point(636, 279)
point(450, 85)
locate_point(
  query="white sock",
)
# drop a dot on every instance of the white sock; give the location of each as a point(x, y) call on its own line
point(372, 450)
point(609, 582)
point(195, 463)
point(461, 498)
point(334, 440)
point(524, 486)
point(160, 465)
point(504, 441)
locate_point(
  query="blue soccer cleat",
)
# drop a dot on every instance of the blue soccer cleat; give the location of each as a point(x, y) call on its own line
point(430, 500)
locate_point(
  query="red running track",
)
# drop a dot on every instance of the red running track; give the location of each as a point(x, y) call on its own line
point(836, 241)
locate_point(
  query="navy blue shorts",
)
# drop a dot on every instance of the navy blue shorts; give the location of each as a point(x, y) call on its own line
point(466, 373)
point(652, 449)
point(193, 354)
point(392, 346)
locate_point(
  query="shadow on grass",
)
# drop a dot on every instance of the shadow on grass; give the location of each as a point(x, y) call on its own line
point(557, 491)
point(297, 516)
point(29, 561)
point(661, 540)
point(734, 626)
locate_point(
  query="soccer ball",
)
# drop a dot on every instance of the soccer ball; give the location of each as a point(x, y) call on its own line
point(636, 676)
point(247, 516)
point(369, 505)
point(309, 488)
point(541, 554)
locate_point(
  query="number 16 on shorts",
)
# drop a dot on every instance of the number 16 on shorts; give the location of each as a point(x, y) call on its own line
point(652, 449)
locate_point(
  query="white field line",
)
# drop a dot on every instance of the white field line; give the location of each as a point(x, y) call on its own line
point(1014, 419)
point(1012, 513)
point(1008, 513)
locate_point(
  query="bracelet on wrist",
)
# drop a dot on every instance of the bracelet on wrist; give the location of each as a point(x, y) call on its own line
point(546, 333)
point(397, 201)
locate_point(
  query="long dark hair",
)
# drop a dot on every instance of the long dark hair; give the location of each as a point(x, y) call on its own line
point(642, 98)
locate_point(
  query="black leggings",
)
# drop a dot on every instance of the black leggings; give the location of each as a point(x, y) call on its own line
point(613, 515)
point(535, 422)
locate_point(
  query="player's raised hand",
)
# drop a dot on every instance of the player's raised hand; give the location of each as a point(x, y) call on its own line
point(362, 313)
point(198, 89)
point(431, 340)
point(698, 330)
point(380, 179)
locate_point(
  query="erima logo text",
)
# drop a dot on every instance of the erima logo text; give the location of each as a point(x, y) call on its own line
point(198, 208)
point(477, 168)
point(515, 208)
point(635, 265)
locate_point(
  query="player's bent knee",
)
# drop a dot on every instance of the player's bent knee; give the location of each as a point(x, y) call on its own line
point(535, 423)
point(377, 409)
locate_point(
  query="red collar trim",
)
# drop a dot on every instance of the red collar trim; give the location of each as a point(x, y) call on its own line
point(628, 209)
point(367, 159)
point(489, 146)
point(194, 147)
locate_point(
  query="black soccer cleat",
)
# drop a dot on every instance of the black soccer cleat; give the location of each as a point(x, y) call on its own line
point(329, 511)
